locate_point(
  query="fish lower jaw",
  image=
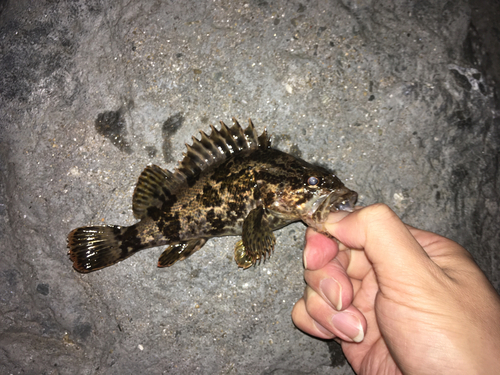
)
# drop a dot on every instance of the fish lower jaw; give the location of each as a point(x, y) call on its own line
point(312, 222)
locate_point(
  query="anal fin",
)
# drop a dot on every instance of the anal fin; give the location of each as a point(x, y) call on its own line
point(180, 251)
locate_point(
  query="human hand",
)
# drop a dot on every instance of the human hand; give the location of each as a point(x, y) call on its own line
point(398, 299)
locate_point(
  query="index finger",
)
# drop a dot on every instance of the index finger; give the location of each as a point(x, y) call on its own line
point(319, 249)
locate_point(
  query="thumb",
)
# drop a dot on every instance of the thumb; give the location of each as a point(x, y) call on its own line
point(388, 244)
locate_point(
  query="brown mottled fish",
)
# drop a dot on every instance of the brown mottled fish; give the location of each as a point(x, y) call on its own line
point(230, 182)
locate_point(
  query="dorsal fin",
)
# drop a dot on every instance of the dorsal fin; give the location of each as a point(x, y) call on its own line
point(156, 185)
point(218, 146)
point(153, 188)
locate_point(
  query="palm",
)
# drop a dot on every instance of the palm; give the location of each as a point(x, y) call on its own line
point(395, 305)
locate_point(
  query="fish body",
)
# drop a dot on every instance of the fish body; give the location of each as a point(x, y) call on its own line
point(230, 182)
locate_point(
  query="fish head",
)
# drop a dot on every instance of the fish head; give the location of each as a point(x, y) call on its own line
point(309, 193)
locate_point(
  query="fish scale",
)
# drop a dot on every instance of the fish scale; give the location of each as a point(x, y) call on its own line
point(230, 182)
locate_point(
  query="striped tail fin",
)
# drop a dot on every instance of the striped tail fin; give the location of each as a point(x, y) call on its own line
point(93, 248)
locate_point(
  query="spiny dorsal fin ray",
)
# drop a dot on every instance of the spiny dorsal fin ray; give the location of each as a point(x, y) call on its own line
point(250, 134)
point(157, 185)
point(154, 187)
point(263, 140)
point(228, 138)
point(219, 142)
point(218, 146)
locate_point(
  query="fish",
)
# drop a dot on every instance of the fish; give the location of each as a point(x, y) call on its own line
point(229, 183)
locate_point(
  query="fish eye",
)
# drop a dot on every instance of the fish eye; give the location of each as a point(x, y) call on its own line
point(313, 181)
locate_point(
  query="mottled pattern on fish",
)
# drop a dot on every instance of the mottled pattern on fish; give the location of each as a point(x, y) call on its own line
point(230, 182)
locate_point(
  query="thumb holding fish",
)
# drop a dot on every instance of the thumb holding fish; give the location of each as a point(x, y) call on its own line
point(397, 298)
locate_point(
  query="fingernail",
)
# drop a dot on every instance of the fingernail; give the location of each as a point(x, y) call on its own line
point(349, 325)
point(332, 290)
point(306, 248)
point(304, 255)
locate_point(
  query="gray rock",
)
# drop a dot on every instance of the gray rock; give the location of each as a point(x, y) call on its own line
point(394, 96)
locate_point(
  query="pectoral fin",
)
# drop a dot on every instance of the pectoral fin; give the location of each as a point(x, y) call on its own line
point(180, 251)
point(257, 239)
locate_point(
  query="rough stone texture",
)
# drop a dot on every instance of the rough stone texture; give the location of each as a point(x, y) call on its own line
point(398, 97)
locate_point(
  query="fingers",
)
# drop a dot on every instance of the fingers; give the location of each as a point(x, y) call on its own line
point(313, 315)
point(305, 323)
point(319, 250)
point(332, 284)
point(326, 269)
point(326, 310)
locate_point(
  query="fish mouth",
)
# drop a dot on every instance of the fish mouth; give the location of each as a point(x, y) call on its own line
point(333, 203)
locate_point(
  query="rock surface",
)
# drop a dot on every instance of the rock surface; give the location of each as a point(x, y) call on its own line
point(396, 97)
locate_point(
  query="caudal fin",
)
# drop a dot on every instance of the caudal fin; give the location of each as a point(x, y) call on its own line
point(93, 248)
